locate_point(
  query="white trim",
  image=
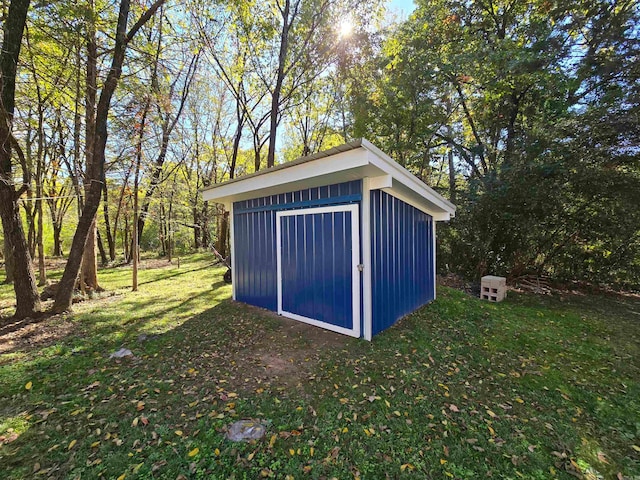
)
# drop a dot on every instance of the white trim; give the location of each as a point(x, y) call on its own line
point(233, 253)
point(367, 301)
point(433, 236)
point(304, 171)
point(383, 181)
point(279, 261)
point(355, 273)
point(436, 215)
point(353, 161)
point(408, 179)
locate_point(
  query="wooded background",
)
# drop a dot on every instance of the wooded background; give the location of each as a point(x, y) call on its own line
point(523, 113)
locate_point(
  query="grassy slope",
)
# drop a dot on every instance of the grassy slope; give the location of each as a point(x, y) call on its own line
point(535, 387)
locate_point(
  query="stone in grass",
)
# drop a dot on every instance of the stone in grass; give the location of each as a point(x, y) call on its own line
point(123, 352)
point(245, 430)
point(143, 337)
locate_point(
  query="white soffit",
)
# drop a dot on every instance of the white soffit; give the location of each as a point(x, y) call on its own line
point(352, 161)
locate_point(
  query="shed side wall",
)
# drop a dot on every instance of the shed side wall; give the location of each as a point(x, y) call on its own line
point(402, 258)
point(255, 237)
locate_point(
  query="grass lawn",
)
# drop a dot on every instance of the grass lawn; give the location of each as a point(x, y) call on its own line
point(534, 387)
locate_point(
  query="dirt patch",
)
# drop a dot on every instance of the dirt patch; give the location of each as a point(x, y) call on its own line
point(287, 356)
point(23, 335)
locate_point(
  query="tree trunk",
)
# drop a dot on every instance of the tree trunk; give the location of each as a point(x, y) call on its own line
point(9, 263)
point(223, 234)
point(111, 243)
point(24, 283)
point(57, 244)
point(89, 256)
point(103, 254)
point(92, 202)
point(42, 271)
point(275, 98)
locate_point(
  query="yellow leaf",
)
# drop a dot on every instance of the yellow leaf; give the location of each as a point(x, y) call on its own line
point(135, 422)
point(137, 467)
point(292, 452)
point(636, 448)
point(519, 400)
point(491, 414)
point(449, 474)
point(95, 444)
point(442, 461)
point(195, 451)
point(122, 477)
point(397, 413)
point(72, 444)
point(272, 441)
point(178, 432)
point(251, 455)
point(28, 385)
point(217, 452)
point(386, 402)
point(345, 430)
point(491, 430)
point(311, 451)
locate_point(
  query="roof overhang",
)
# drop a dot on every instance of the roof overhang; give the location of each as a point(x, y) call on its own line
point(355, 160)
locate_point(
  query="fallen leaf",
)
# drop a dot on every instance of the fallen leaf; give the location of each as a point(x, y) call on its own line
point(636, 448)
point(178, 432)
point(194, 452)
point(28, 385)
point(122, 477)
point(72, 444)
point(454, 408)
point(491, 414)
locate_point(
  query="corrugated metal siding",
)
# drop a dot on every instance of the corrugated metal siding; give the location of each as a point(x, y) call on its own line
point(317, 270)
point(255, 237)
point(402, 259)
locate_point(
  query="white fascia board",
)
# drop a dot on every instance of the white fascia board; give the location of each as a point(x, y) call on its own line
point(323, 166)
point(386, 163)
point(382, 181)
point(437, 215)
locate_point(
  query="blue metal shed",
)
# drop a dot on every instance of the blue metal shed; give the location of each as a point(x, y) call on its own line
point(343, 239)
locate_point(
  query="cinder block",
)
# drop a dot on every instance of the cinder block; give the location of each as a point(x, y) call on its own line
point(493, 289)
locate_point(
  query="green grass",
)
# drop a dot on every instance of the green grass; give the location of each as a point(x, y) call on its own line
point(534, 387)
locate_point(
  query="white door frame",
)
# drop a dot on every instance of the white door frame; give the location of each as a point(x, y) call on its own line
point(355, 260)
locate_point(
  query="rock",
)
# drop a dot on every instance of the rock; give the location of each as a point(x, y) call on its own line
point(245, 430)
point(123, 352)
point(49, 292)
point(143, 337)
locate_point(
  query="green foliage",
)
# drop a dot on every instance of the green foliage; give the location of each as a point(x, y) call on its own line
point(532, 109)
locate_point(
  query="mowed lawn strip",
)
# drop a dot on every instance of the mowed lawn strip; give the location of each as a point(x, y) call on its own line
point(534, 387)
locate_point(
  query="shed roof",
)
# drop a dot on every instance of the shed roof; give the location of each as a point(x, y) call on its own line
point(355, 160)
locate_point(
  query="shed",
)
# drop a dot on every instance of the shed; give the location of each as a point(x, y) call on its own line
point(343, 239)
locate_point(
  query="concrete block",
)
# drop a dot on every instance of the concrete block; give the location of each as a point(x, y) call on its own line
point(493, 289)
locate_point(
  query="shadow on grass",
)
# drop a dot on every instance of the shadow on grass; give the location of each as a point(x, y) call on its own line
point(228, 348)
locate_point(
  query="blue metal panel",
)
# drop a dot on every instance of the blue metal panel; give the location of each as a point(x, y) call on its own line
point(402, 259)
point(255, 237)
point(317, 267)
